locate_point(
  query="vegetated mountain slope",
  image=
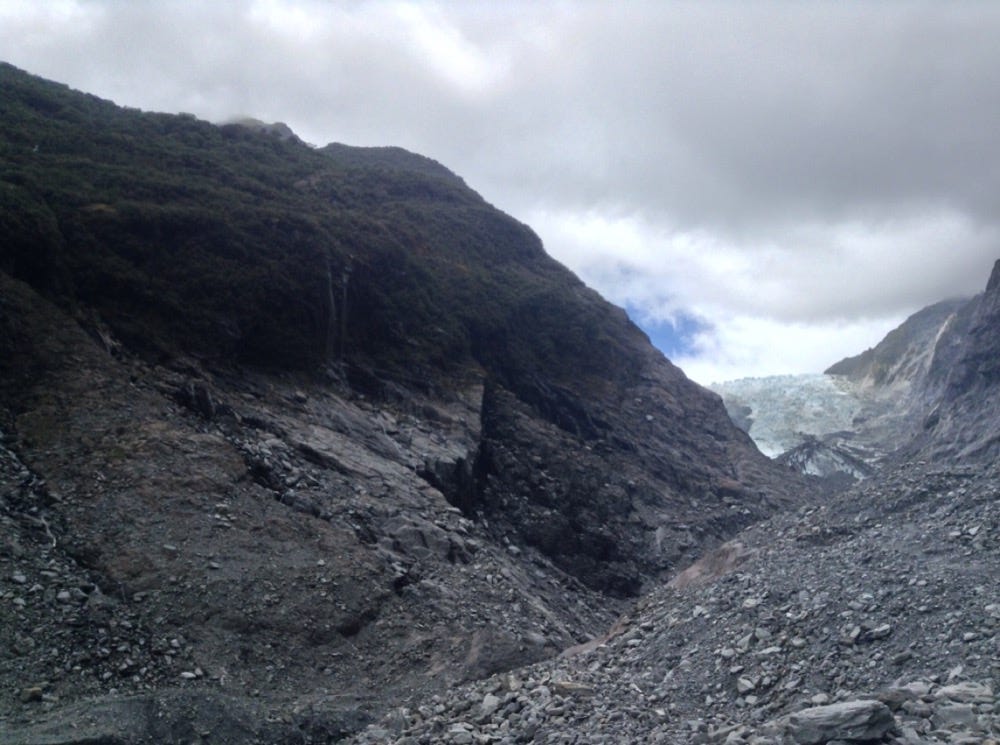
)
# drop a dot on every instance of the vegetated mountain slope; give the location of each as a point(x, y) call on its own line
point(183, 237)
point(320, 426)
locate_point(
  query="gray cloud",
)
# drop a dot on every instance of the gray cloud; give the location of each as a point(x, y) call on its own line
point(810, 163)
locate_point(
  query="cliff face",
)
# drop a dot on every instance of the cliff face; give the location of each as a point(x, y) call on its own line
point(295, 420)
point(905, 377)
point(964, 423)
point(904, 356)
point(937, 377)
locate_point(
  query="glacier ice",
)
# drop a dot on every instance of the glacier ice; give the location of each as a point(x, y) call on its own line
point(784, 410)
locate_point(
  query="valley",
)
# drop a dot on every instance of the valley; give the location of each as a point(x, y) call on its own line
point(314, 445)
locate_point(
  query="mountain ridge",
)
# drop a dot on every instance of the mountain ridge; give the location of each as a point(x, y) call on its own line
point(304, 430)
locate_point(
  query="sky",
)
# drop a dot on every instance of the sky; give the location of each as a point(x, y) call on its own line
point(766, 187)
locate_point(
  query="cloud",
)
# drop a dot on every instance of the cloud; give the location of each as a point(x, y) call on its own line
point(747, 346)
point(773, 172)
point(811, 295)
point(805, 272)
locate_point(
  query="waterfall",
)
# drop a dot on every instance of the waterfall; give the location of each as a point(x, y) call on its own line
point(331, 312)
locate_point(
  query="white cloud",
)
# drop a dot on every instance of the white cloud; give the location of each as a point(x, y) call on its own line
point(798, 304)
point(745, 346)
point(447, 52)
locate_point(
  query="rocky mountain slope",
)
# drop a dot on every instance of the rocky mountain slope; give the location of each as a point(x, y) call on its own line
point(290, 435)
point(962, 425)
point(905, 375)
point(869, 617)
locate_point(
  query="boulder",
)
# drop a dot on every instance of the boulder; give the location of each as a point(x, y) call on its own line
point(853, 721)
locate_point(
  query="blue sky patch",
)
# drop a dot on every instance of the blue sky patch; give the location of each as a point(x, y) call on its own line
point(673, 337)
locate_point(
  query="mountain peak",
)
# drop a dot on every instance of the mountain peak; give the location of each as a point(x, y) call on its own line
point(279, 130)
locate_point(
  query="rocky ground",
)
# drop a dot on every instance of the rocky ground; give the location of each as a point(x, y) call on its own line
point(873, 617)
point(196, 555)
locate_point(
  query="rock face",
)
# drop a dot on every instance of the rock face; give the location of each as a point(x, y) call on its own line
point(934, 379)
point(311, 429)
point(904, 378)
point(906, 354)
point(599, 514)
point(833, 461)
point(964, 424)
point(853, 721)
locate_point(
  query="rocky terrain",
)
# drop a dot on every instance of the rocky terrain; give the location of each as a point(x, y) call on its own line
point(870, 618)
point(313, 445)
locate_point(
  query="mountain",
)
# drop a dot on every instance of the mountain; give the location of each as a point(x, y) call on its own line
point(963, 424)
point(905, 354)
point(288, 434)
point(904, 375)
point(312, 445)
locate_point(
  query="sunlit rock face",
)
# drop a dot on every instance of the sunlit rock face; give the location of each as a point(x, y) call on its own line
point(963, 424)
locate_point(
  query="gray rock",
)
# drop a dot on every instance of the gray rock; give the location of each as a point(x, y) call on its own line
point(850, 720)
point(489, 706)
point(952, 716)
point(968, 692)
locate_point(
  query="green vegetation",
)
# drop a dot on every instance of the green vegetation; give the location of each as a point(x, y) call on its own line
point(229, 243)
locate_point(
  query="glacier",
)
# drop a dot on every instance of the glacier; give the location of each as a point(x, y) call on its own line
point(780, 412)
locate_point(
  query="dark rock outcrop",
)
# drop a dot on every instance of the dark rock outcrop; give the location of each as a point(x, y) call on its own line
point(832, 461)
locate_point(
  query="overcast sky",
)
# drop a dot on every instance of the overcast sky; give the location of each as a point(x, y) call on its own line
point(766, 187)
